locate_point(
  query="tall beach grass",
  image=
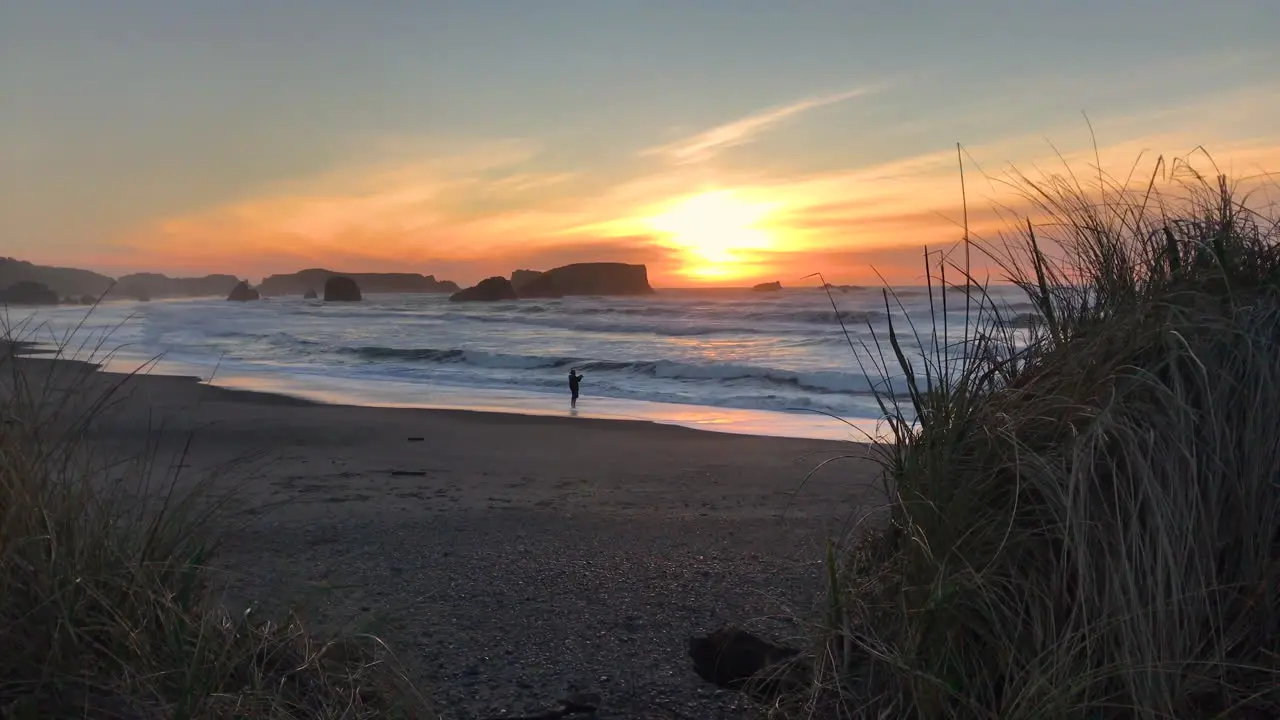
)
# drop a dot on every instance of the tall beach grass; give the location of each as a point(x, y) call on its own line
point(107, 604)
point(1085, 520)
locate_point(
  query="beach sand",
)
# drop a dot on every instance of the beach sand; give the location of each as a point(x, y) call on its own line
point(508, 560)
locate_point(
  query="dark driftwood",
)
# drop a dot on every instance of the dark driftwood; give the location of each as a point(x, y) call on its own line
point(735, 659)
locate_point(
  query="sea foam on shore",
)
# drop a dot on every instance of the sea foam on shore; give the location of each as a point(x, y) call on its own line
point(772, 364)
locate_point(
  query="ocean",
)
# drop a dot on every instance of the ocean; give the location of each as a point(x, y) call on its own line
point(731, 360)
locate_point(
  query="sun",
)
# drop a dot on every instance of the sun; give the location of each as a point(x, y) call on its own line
point(716, 232)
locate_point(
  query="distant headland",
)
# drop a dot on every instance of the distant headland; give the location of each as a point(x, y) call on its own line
point(25, 283)
point(73, 285)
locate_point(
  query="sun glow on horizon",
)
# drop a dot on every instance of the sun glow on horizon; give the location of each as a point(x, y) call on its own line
point(715, 232)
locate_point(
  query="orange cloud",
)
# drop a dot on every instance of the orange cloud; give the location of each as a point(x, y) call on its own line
point(492, 207)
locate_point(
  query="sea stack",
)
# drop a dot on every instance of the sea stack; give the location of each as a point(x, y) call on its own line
point(488, 290)
point(341, 289)
point(520, 278)
point(242, 293)
point(774, 286)
point(589, 279)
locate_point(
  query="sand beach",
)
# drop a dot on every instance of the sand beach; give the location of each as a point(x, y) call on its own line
point(508, 560)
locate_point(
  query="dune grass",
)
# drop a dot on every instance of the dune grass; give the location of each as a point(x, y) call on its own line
point(107, 606)
point(1086, 519)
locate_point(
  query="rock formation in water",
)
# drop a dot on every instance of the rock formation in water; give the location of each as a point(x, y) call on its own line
point(520, 278)
point(154, 285)
point(242, 292)
point(589, 279)
point(310, 294)
point(341, 289)
point(774, 286)
point(303, 280)
point(26, 292)
point(488, 290)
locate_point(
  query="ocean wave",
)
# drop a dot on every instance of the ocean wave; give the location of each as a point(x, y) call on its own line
point(823, 381)
point(818, 317)
point(676, 323)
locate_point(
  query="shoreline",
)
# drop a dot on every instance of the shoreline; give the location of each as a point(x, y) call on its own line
point(389, 394)
point(507, 559)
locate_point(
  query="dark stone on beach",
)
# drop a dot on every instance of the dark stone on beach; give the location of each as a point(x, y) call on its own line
point(27, 292)
point(341, 289)
point(488, 290)
point(735, 659)
point(603, 278)
point(774, 286)
point(242, 293)
point(310, 294)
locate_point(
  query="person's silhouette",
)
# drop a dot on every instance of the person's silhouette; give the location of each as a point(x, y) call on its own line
point(574, 380)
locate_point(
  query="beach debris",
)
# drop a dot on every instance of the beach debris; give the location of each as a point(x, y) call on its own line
point(735, 659)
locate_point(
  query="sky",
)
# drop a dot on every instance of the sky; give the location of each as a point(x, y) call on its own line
point(719, 142)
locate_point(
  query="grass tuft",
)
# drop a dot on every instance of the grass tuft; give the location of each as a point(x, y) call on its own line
point(107, 606)
point(1085, 513)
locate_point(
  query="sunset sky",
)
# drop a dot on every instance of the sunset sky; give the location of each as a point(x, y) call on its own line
point(718, 142)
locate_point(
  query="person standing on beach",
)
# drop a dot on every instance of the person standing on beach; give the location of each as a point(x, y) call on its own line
point(574, 380)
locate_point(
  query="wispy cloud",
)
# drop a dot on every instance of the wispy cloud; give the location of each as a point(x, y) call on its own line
point(708, 143)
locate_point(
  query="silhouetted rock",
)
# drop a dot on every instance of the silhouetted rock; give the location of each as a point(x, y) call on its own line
point(310, 294)
point(27, 292)
point(63, 281)
point(520, 278)
point(303, 280)
point(243, 293)
point(341, 289)
point(132, 292)
point(735, 659)
point(488, 290)
point(589, 279)
point(154, 285)
point(73, 283)
point(774, 286)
